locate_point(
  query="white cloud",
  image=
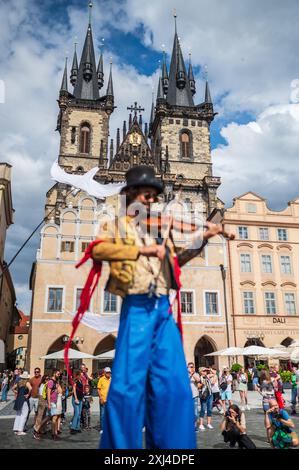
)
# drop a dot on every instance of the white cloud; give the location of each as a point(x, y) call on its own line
point(261, 156)
point(250, 46)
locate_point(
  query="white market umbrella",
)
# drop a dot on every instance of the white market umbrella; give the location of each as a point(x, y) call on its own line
point(232, 351)
point(260, 351)
point(73, 354)
point(294, 344)
point(294, 355)
point(106, 355)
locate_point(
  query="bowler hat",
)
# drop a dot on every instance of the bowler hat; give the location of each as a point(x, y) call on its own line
point(142, 176)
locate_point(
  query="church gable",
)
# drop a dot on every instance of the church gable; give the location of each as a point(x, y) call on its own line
point(134, 150)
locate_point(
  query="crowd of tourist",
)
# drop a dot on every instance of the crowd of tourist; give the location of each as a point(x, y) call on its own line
point(46, 396)
point(212, 390)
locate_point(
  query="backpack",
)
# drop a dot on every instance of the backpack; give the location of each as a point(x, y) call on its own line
point(44, 392)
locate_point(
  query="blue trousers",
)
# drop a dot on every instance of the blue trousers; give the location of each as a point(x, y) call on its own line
point(206, 405)
point(75, 424)
point(150, 383)
point(4, 393)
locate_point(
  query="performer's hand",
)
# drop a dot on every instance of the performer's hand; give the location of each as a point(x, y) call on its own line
point(157, 251)
point(216, 229)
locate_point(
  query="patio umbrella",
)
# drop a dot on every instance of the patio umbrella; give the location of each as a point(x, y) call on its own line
point(294, 355)
point(73, 354)
point(260, 351)
point(232, 351)
point(106, 355)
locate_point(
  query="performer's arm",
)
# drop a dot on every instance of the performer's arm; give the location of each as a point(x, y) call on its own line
point(107, 251)
point(196, 246)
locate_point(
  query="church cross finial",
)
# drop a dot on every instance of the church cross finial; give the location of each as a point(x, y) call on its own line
point(135, 109)
point(175, 17)
point(90, 11)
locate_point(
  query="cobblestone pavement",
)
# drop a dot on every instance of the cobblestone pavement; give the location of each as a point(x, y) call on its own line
point(208, 439)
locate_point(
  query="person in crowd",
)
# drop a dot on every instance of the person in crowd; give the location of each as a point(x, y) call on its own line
point(16, 376)
point(52, 395)
point(86, 405)
point(85, 378)
point(194, 381)
point(277, 383)
point(35, 382)
point(254, 377)
point(242, 379)
point(266, 389)
point(225, 384)
point(22, 391)
point(78, 393)
point(4, 386)
point(103, 388)
point(280, 427)
point(59, 406)
point(294, 390)
point(206, 397)
point(233, 429)
point(43, 416)
point(216, 390)
point(65, 394)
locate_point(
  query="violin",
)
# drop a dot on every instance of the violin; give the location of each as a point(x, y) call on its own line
point(164, 223)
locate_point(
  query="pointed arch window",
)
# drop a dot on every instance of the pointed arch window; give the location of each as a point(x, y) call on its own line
point(85, 138)
point(186, 144)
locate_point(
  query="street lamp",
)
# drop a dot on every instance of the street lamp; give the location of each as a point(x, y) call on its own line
point(223, 275)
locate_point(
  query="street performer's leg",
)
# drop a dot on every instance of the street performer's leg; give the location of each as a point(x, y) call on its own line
point(125, 410)
point(170, 408)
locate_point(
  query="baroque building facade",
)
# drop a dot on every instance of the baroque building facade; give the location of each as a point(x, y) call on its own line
point(263, 265)
point(8, 311)
point(176, 143)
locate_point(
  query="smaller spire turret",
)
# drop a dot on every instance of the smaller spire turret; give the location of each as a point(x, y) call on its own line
point(160, 94)
point(64, 79)
point(100, 72)
point(180, 74)
point(75, 68)
point(117, 139)
point(124, 129)
point(130, 121)
point(191, 77)
point(165, 79)
point(110, 83)
point(111, 150)
point(208, 98)
point(152, 111)
point(140, 120)
point(87, 66)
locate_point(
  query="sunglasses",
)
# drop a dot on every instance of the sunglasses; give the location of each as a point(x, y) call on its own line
point(148, 195)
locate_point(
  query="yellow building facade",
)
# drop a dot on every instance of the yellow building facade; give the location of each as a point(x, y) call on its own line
point(264, 271)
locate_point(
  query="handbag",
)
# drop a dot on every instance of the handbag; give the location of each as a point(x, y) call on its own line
point(203, 394)
point(223, 386)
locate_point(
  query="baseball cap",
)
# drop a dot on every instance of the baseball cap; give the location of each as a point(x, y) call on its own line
point(107, 369)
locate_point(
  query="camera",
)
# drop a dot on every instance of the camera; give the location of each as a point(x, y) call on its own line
point(276, 415)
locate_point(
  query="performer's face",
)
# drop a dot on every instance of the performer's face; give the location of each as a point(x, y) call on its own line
point(147, 195)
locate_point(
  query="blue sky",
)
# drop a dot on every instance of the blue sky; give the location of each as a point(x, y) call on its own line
point(252, 61)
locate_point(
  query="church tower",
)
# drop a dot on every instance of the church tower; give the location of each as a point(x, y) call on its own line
point(83, 120)
point(180, 132)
